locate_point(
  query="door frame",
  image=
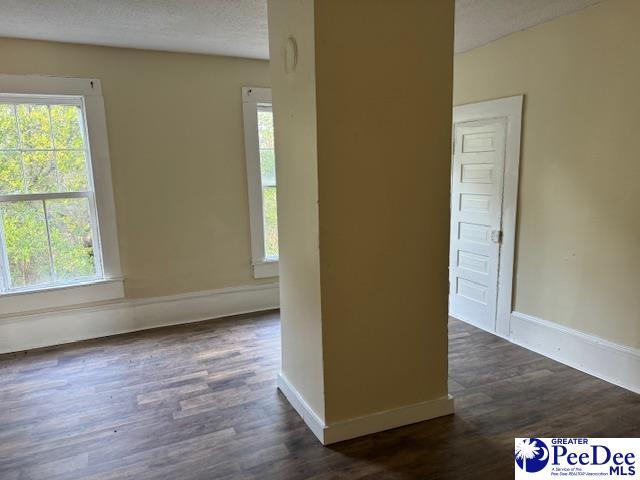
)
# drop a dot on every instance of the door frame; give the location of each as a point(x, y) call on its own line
point(511, 109)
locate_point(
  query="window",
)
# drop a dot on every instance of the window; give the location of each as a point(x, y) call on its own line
point(47, 206)
point(50, 206)
point(261, 176)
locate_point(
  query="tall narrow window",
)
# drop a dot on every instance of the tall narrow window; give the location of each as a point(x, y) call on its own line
point(58, 237)
point(261, 177)
point(47, 205)
point(268, 181)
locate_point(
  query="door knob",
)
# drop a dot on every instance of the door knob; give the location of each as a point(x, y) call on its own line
point(496, 236)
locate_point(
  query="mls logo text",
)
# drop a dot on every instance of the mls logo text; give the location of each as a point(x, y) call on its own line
point(545, 458)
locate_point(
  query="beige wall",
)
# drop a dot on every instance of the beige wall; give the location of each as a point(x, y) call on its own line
point(177, 157)
point(578, 243)
point(297, 163)
point(384, 140)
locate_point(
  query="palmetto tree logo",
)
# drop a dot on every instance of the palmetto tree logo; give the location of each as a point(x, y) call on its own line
point(532, 455)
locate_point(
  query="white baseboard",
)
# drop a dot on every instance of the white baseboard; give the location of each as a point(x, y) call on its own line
point(601, 358)
point(43, 329)
point(365, 425)
point(311, 418)
point(472, 322)
point(388, 419)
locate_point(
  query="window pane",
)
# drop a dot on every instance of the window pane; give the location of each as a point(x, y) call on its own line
point(268, 166)
point(72, 170)
point(43, 150)
point(39, 172)
point(270, 213)
point(43, 166)
point(10, 173)
point(66, 122)
point(71, 238)
point(8, 127)
point(35, 127)
point(26, 242)
point(265, 128)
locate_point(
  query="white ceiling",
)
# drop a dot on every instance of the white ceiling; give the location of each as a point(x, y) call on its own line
point(479, 22)
point(230, 27)
point(223, 27)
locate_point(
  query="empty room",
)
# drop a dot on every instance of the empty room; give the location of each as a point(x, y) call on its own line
point(319, 239)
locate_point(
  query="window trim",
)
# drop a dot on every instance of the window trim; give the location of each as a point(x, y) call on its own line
point(252, 99)
point(110, 286)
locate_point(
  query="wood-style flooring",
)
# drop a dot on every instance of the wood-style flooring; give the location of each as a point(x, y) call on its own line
point(199, 402)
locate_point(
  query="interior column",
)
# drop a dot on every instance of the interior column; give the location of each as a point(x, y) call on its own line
point(362, 94)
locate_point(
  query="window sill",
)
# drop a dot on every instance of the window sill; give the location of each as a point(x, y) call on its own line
point(16, 303)
point(266, 269)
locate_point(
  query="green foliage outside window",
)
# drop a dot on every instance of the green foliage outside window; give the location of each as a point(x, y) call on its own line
point(268, 177)
point(42, 150)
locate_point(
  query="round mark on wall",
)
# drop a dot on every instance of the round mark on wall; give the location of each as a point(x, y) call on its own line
point(290, 55)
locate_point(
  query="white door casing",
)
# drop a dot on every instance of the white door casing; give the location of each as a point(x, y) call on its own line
point(484, 185)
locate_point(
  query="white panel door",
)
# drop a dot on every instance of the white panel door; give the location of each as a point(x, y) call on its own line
point(476, 211)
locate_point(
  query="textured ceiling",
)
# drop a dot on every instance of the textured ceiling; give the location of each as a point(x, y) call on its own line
point(479, 22)
point(223, 27)
point(230, 27)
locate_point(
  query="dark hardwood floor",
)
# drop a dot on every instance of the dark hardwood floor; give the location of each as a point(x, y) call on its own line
point(199, 402)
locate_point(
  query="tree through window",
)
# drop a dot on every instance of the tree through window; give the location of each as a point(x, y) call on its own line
point(261, 180)
point(268, 181)
point(48, 228)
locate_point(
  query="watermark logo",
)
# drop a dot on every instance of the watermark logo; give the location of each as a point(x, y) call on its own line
point(532, 454)
point(578, 458)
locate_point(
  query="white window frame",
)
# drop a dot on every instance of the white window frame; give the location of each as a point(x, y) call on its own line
point(87, 92)
point(252, 99)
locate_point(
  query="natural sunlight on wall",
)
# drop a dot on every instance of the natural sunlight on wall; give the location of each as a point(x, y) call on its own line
point(177, 157)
